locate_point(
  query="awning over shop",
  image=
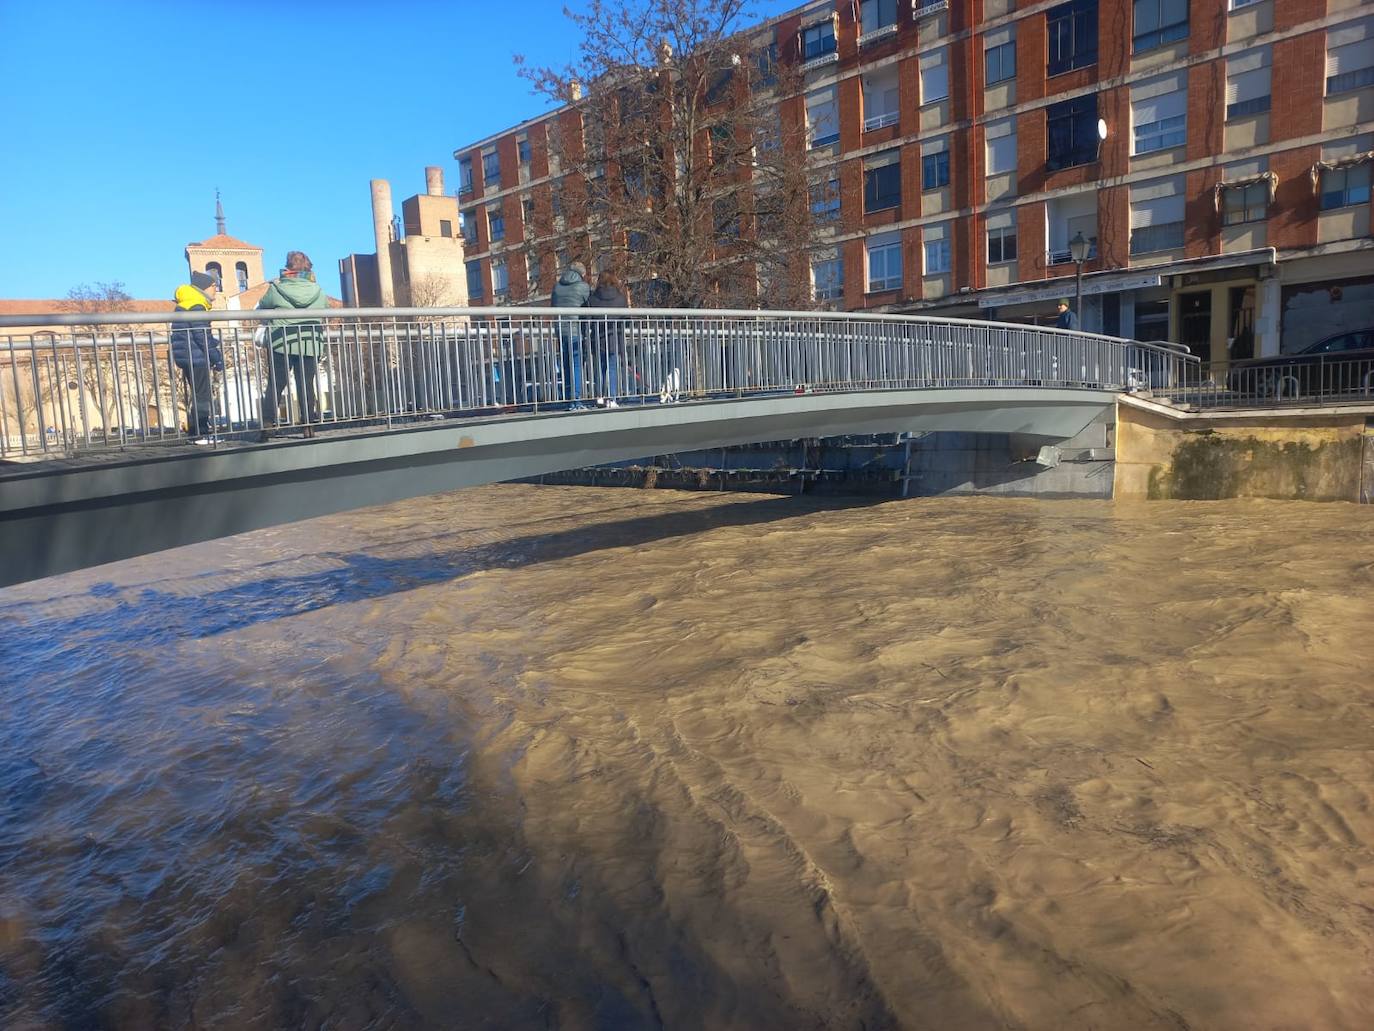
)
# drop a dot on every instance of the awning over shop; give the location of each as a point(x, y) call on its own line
point(1095, 284)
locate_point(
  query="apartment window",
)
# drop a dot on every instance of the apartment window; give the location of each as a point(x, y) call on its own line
point(827, 279)
point(1072, 36)
point(522, 150)
point(533, 262)
point(445, 228)
point(935, 243)
point(1158, 22)
point(822, 117)
point(1000, 140)
point(474, 271)
point(719, 86)
point(876, 14)
point(1001, 240)
point(999, 57)
point(1249, 203)
point(527, 213)
point(467, 225)
point(491, 167)
point(882, 181)
point(1159, 113)
point(818, 40)
point(1072, 129)
point(1342, 187)
point(884, 262)
point(934, 77)
point(464, 176)
point(725, 214)
point(880, 99)
point(636, 242)
point(766, 65)
point(1350, 56)
point(935, 164)
point(496, 225)
point(500, 279)
point(825, 201)
point(1066, 217)
point(1157, 216)
point(1247, 83)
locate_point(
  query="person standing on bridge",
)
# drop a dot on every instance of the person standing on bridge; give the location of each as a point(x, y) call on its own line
point(571, 291)
point(196, 351)
point(1067, 319)
point(294, 343)
point(607, 337)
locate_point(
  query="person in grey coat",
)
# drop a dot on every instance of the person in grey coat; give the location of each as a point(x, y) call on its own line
point(571, 291)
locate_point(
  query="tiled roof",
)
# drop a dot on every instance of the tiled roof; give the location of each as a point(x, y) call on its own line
point(64, 306)
point(222, 241)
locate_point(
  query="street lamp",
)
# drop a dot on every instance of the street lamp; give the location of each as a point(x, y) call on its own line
point(1078, 250)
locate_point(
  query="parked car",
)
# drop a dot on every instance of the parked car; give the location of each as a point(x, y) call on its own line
point(1340, 365)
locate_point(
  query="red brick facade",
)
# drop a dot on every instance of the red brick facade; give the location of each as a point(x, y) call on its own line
point(1293, 144)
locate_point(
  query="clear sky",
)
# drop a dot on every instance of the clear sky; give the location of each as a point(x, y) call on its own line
point(119, 120)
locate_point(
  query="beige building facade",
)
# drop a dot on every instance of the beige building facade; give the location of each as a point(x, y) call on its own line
point(419, 257)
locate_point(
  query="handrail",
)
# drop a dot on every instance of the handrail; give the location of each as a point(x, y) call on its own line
point(67, 386)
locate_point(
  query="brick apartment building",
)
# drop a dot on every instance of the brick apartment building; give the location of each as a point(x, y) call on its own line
point(1215, 154)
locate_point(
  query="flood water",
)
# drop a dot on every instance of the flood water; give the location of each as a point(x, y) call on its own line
point(563, 757)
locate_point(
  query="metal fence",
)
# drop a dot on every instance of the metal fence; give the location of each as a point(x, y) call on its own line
point(75, 382)
point(1288, 381)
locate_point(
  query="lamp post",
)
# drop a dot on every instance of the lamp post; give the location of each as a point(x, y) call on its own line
point(1078, 250)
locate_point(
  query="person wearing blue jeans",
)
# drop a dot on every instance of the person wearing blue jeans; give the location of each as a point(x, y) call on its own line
point(571, 291)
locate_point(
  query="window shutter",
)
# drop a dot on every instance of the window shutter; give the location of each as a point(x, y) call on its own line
point(1000, 137)
point(1158, 108)
point(887, 157)
point(936, 146)
point(999, 220)
point(997, 38)
point(1247, 86)
point(1353, 57)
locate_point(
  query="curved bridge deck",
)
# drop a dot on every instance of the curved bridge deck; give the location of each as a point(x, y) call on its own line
point(414, 403)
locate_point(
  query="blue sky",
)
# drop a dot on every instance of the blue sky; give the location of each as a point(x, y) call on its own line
point(119, 120)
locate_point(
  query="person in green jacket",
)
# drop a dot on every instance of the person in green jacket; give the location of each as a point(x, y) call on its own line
point(294, 343)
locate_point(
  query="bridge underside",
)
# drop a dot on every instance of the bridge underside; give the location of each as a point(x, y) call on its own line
point(56, 518)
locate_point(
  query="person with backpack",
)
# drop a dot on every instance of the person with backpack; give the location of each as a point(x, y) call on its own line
point(196, 352)
point(294, 343)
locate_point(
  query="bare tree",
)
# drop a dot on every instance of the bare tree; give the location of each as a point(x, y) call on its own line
point(432, 290)
point(678, 168)
point(94, 367)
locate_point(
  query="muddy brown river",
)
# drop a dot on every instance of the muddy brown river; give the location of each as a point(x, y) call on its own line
point(574, 758)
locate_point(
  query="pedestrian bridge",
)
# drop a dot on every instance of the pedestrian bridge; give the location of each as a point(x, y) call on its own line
point(413, 402)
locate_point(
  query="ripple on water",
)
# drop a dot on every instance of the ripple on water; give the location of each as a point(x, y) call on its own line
point(541, 756)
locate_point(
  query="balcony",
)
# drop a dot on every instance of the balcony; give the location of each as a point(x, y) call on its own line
point(1065, 257)
point(876, 35)
point(832, 57)
point(880, 121)
point(928, 8)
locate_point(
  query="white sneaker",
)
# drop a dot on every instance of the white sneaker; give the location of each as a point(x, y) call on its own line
point(612, 403)
point(202, 442)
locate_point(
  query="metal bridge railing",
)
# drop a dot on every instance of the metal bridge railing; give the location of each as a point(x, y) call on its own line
point(1285, 381)
point(76, 382)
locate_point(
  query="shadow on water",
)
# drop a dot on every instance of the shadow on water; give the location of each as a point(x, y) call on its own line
point(149, 617)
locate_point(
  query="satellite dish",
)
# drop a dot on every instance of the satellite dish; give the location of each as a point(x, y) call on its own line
point(1101, 128)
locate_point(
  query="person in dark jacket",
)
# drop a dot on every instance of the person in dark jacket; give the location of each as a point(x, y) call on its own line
point(196, 351)
point(295, 343)
point(607, 336)
point(571, 291)
point(1067, 319)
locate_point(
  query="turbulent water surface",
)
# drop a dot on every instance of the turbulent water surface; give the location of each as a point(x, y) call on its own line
point(561, 757)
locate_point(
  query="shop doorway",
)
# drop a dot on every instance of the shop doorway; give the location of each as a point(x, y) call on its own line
point(1195, 323)
point(1241, 326)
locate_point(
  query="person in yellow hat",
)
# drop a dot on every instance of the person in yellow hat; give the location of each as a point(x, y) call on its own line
point(196, 352)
